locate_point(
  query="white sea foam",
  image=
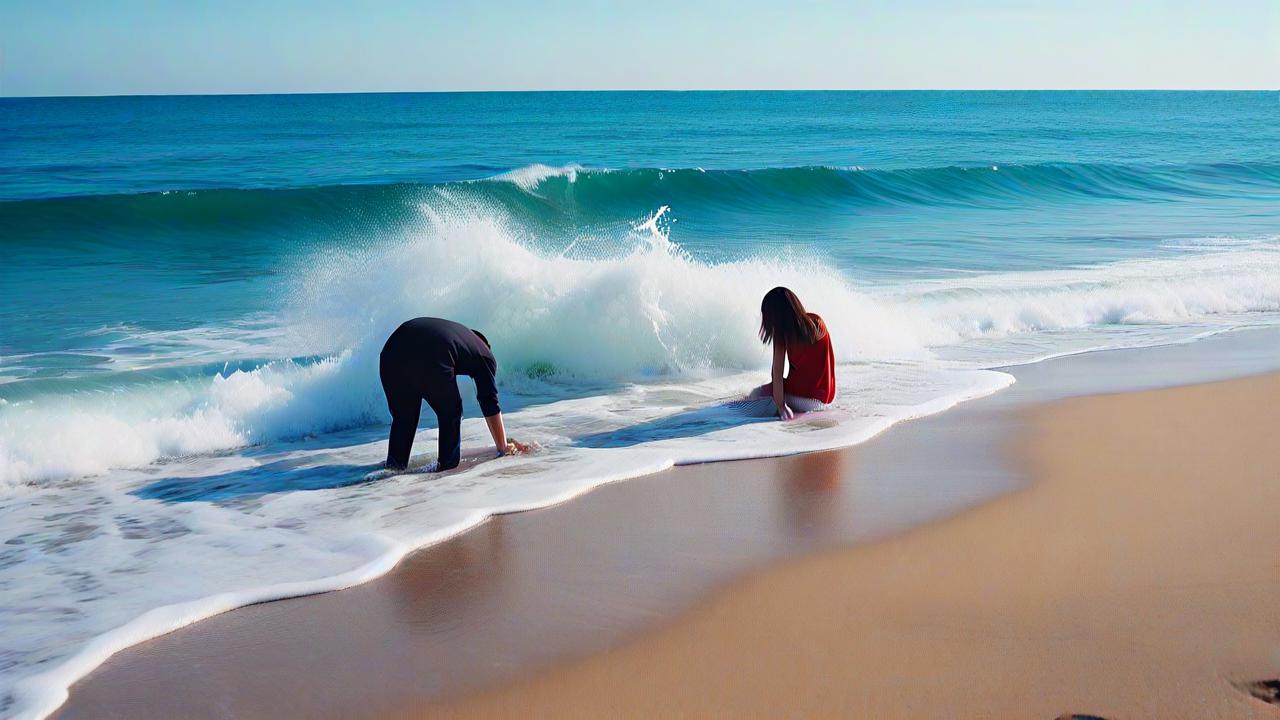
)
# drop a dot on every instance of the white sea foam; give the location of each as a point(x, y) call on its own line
point(645, 313)
point(618, 363)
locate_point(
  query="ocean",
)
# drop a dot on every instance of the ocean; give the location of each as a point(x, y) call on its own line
point(195, 290)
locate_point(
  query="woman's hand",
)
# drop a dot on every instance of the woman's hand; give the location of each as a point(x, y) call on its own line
point(785, 412)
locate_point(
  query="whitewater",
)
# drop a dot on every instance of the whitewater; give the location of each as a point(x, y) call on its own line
point(189, 396)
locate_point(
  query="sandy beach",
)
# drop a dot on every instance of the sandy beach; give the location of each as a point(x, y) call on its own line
point(1128, 571)
point(1135, 578)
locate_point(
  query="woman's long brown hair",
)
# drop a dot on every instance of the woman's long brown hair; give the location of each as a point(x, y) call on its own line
point(783, 317)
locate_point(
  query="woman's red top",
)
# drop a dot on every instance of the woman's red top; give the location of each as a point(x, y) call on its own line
point(813, 367)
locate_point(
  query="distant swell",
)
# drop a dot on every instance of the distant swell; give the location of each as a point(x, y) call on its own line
point(975, 185)
point(554, 195)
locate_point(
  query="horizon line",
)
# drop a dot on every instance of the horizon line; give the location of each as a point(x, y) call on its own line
point(626, 90)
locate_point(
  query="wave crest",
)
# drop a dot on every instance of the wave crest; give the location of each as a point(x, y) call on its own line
point(570, 196)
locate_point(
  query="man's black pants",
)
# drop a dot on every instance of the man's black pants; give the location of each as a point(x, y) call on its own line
point(405, 391)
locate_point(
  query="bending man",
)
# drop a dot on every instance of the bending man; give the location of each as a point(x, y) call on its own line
point(421, 361)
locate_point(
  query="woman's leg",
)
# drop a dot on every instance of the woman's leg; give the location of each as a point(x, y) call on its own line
point(804, 404)
point(765, 390)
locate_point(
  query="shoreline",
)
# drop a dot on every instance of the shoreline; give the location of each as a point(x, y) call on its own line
point(829, 465)
point(42, 695)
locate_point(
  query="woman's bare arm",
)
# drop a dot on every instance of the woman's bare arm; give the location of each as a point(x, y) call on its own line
point(779, 368)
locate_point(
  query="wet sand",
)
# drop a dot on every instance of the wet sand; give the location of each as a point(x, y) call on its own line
point(1132, 569)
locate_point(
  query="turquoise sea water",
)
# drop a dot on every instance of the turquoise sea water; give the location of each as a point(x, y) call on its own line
point(201, 201)
point(194, 290)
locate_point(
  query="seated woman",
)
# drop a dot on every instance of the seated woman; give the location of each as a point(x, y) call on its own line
point(800, 338)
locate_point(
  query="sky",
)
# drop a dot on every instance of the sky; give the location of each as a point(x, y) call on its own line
point(120, 47)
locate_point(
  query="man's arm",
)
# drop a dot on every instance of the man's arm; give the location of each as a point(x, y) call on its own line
point(498, 432)
point(487, 396)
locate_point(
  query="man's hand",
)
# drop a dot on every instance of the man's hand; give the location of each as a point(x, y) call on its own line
point(786, 413)
point(516, 448)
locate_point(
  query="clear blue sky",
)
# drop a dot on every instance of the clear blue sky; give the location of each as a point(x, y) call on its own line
point(56, 47)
